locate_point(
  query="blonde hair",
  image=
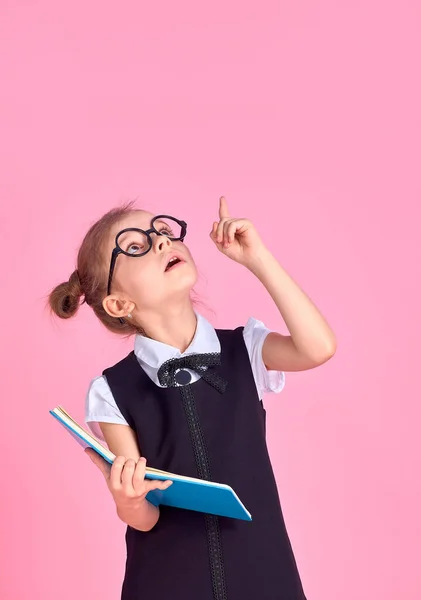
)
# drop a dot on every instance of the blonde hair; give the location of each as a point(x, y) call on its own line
point(89, 280)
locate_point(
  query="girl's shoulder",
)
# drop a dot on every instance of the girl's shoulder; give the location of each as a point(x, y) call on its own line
point(100, 405)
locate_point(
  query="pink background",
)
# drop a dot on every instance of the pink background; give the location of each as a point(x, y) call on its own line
point(306, 115)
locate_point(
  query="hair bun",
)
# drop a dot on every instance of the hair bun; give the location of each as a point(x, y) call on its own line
point(65, 298)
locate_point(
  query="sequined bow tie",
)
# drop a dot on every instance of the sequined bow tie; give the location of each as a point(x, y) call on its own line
point(171, 374)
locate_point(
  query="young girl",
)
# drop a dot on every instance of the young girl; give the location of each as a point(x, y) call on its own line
point(189, 399)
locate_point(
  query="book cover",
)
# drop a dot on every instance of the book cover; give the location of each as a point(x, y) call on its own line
point(185, 493)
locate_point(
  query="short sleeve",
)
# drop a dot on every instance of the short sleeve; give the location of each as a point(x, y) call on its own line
point(255, 333)
point(101, 407)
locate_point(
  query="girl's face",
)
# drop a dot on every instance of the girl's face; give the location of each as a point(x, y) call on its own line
point(148, 281)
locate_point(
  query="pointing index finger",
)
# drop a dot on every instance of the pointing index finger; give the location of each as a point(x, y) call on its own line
point(223, 208)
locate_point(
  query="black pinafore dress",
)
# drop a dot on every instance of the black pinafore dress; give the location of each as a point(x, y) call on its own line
point(219, 436)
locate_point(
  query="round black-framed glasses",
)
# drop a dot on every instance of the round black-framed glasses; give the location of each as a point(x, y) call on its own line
point(136, 242)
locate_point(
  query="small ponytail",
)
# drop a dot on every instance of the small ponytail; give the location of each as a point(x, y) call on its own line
point(65, 298)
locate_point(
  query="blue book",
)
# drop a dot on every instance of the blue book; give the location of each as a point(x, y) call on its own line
point(185, 492)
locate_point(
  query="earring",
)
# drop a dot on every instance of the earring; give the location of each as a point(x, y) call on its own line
point(129, 316)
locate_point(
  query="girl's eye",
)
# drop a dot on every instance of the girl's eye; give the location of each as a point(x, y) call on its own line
point(134, 248)
point(167, 232)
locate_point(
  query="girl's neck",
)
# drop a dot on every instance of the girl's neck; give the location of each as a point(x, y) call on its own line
point(175, 327)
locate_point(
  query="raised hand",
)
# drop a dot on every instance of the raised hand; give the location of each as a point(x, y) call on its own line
point(236, 238)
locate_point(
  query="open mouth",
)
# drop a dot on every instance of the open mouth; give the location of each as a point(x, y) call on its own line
point(172, 263)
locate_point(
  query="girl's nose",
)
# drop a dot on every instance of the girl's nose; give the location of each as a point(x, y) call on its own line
point(161, 242)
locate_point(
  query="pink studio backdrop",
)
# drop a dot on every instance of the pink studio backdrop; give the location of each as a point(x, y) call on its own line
point(307, 117)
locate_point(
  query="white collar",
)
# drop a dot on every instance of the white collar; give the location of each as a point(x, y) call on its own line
point(154, 353)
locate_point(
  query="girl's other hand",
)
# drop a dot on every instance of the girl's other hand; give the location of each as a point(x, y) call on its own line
point(126, 479)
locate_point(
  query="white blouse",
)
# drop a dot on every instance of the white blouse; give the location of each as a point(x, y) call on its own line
point(101, 406)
